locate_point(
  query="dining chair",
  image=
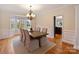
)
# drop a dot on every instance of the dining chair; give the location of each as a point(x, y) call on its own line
point(44, 39)
point(37, 29)
point(27, 38)
point(44, 30)
point(22, 35)
point(30, 43)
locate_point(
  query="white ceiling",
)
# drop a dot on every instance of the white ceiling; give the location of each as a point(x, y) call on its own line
point(22, 8)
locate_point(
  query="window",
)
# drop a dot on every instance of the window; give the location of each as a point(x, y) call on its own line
point(18, 22)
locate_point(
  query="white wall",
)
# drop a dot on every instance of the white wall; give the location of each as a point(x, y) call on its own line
point(0, 23)
point(77, 27)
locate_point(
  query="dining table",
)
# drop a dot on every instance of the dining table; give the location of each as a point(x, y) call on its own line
point(37, 35)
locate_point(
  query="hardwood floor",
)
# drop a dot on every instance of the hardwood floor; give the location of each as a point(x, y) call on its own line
point(6, 46)
point(61, 47)
point(65, 49)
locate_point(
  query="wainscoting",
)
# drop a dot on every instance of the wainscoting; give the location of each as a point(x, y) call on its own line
point(69, 36)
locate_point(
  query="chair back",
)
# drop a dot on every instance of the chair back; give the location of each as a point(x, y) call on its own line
point(44, 30)
point(27, 38)
point(22, 35)
point(37, 29)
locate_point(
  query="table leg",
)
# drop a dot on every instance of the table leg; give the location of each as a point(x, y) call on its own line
point(39, 42)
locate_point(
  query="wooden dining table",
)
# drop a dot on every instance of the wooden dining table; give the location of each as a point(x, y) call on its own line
point(37, 35)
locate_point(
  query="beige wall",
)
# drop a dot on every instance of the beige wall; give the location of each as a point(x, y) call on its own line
point(5, 21)
point(45, 18)
point(33, 23)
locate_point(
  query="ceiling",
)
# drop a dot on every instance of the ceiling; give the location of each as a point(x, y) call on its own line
point(22, 8)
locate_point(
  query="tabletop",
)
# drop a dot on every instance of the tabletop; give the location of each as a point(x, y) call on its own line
point(35, 34)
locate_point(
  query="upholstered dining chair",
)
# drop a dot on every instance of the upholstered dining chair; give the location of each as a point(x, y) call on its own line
point(30, 44)
point(44, 30)
point(44, 39)
point(37, 29)
point(22, 35)
point(27, 38)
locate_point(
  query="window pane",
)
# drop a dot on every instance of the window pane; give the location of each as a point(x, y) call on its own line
point(20, 22)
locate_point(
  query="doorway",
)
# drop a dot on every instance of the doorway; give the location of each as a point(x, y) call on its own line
point(58, 25)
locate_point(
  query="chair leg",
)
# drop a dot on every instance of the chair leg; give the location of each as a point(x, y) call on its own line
point(21, 38)
point(24, 42)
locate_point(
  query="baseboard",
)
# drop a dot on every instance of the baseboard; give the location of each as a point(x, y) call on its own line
point(10, 36)
point(69, 42)
point(76, 47)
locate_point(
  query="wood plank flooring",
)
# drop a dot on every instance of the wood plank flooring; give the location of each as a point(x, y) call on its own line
point(61, 47)
point(6, 46)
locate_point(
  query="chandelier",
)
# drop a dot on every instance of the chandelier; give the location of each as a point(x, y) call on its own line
point(30, 15)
